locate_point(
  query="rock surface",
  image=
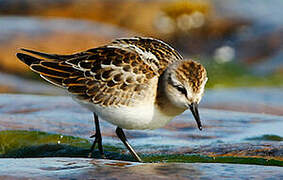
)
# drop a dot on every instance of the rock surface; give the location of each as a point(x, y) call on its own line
point(229, 136)
point(225, 132)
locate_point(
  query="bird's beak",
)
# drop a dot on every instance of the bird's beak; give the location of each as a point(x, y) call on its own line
point(194, 109)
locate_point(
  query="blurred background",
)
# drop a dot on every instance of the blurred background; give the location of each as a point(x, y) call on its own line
point(240, 42)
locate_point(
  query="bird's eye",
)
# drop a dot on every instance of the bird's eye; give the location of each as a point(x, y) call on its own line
point(182, 89)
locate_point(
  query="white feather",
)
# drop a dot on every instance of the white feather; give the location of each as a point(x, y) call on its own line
point(141, 116)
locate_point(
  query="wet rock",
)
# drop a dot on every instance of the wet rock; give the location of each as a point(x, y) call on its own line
point(225, 132)
point(242, 150)
point(79, 168)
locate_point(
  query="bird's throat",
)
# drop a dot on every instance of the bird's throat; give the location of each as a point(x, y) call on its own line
point(163, 103)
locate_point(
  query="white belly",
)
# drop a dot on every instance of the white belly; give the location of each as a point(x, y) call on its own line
point(143, 116)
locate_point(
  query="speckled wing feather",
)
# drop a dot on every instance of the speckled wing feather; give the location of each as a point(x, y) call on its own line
point(115, 76)
point(106, 75)
point(154, 52)
point(51, 67)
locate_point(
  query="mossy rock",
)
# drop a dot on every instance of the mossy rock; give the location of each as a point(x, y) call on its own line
point(267, 137)
point(23, 144)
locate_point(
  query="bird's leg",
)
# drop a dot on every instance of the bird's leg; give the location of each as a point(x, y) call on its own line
point(121, 135)
point(98, 138)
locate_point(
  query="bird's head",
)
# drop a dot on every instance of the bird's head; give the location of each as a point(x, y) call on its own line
point(184, 85)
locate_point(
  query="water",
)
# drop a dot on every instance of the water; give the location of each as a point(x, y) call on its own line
point(66, 168)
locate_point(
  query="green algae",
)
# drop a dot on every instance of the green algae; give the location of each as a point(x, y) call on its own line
point(23, 144)
point(15, 139)
point(267, 137)
point(195, 158)
point(19, 143)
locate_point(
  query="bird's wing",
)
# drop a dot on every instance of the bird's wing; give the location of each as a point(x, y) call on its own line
point(155, 53)
point(55, 57)
point(107, 76)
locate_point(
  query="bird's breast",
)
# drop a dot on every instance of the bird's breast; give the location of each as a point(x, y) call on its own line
point(141, 116)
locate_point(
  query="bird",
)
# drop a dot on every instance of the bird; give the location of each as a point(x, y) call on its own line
point(134, 83)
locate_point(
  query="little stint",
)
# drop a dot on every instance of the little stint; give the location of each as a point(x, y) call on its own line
point(133, 83)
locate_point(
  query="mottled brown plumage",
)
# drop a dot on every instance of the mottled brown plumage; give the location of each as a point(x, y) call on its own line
point(162, 53)
point(111, 75)
point(193, 72)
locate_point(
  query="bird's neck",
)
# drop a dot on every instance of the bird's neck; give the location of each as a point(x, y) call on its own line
point(163, 102)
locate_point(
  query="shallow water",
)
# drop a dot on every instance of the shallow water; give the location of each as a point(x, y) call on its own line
point(79, 168)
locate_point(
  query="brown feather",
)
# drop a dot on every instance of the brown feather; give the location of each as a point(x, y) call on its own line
point(108, 75)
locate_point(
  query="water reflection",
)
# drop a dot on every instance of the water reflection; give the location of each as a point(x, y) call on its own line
point(69, 168)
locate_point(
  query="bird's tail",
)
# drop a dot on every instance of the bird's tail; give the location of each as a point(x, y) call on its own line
point(27, 59)
point(50, 67)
